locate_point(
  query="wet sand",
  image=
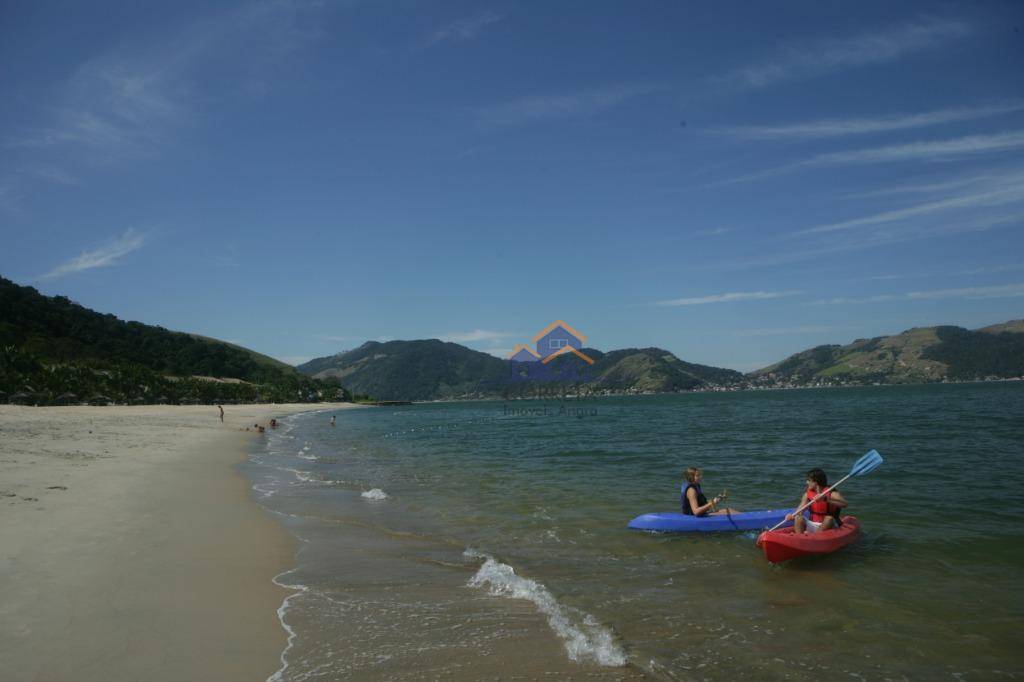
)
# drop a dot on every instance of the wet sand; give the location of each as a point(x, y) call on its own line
point(131, 547)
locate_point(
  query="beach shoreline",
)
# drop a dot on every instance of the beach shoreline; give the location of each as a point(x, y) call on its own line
point(130, 538)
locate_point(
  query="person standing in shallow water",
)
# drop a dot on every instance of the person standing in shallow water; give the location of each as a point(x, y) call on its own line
point(693, 500)
point(332, 420)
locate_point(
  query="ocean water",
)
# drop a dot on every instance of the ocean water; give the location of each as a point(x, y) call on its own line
point(488, 540)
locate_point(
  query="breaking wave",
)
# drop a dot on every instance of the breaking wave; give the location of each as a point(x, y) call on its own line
point(585, 639)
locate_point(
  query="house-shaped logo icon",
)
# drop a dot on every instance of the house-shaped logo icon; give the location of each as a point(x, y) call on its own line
point(556, 339)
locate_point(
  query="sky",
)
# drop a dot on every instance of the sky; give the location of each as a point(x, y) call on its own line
point(733, 182)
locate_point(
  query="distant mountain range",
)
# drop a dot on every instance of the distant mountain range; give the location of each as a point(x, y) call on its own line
point(52, 348)
point(919, 355)
point(432, 369)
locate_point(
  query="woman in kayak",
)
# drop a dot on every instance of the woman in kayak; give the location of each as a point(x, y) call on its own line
point(824, 509)
point(693, 500)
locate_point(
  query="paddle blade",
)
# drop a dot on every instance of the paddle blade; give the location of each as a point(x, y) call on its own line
point(867, 463)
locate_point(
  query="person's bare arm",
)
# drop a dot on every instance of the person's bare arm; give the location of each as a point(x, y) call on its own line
point(691, 499)
point(837, 500)
point(803, 501)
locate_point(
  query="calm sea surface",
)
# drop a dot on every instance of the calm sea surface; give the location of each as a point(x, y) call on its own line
point(468, 541)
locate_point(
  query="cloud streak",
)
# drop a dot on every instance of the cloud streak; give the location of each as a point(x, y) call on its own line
point(475, 335)
point(969, 293)
point(1011, 193)
point(837, 54)
point(130, 100)
point(935, 150)
point(466, 28)
point(539, 108)
point(728, 298)
point(104, 256)
point(862, 126)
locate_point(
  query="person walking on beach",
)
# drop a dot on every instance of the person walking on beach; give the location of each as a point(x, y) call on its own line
point(221, 413)
point(693, 500)
point(824, 509)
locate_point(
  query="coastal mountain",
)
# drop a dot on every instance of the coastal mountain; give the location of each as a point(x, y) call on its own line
point(52, 347)
point(921, 354)
point(410, 370)
point(431, 369)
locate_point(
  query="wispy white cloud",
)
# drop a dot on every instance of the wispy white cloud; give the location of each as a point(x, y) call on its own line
point(861, 126)
point(715, 231)
point(836, 54)
point(132, 98)
point(475, 335)
point(465, 28)
point(857, 240)
point(789, 331)
point(970, 293)
point(537, 108)
point(728, 298)
point(1008, 191)
point(988, 269)
point(103, 256)
point(933, 150)
point(927, 187)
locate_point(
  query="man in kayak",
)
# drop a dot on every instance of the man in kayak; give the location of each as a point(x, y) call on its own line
point(824, 508)
point(693, 501)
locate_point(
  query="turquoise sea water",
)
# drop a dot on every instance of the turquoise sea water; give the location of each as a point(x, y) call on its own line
point(476, 541)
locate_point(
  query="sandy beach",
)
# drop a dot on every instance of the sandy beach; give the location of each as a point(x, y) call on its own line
point(131, 548)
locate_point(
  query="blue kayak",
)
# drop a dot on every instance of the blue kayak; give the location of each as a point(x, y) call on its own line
point(677, 522)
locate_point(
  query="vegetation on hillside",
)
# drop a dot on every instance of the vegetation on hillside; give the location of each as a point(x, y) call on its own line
point(54, 351)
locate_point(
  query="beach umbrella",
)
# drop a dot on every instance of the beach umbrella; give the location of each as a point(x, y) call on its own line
point(66, 399)
point(101, 400)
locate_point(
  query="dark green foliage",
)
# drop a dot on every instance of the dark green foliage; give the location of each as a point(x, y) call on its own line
point(976, 355)
point(61, 353)
point(59, 331)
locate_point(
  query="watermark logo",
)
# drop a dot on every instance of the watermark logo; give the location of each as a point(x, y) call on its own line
point(555, 340)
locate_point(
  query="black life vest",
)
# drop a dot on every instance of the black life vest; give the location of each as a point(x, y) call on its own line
point(701, 500)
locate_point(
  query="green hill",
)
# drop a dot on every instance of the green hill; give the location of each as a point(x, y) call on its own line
point(52, 346)
point(922, 354)
point(426, 369)
point(432, 369)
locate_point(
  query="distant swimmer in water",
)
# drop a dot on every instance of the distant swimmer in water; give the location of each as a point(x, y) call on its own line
point(332, 420)
point(259, 428)
point(694, 502)
point(273, 423)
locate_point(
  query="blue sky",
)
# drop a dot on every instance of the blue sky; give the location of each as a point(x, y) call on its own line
point(734, 183)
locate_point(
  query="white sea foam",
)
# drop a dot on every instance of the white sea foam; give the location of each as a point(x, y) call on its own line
point(585, 639)
point(300, 589)
point(375, 495)
point(264, 492)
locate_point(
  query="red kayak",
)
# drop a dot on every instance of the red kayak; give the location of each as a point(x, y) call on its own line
point(783, 544)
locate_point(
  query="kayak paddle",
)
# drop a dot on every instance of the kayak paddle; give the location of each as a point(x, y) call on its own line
point(864, 465)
